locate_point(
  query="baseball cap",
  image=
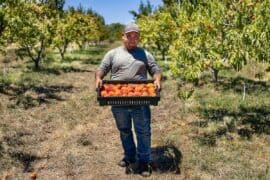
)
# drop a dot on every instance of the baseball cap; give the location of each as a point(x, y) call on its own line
point(131, 27)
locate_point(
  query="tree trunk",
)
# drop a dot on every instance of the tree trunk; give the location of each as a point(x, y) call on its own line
point(62, 50)
point(36, 61)
point(62, 55)
point(163, 56)
point(215, 75)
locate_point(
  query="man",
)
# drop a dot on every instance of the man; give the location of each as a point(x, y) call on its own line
point(130, 62)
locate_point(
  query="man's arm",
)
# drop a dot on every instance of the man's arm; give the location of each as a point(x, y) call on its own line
point(154, 70)
point(104, 68)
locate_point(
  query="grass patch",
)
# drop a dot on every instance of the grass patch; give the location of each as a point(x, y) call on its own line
point(250, 113)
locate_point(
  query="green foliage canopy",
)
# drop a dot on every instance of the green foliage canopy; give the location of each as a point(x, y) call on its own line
point(198, 35)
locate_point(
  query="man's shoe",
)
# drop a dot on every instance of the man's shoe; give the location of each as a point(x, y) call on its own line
point(125, 163)
point(144, 169)
point(132, 168)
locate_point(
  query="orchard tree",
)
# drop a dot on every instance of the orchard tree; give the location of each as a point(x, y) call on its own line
point(114, 31)
point(86, 27)
point(101, 29)
point(257, 33)
point(2, 19)
point(157, 32)
point(237, 38)
point(211, 35)
point(65, 32)
point(2, 30)
point(2, 25)
point(75, 26)
point(144, 10)
point(199, 42)
point(29, 25)
point(54, 4)
point(171, 2)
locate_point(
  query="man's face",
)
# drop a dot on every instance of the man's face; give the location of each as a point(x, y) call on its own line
point(131, 39)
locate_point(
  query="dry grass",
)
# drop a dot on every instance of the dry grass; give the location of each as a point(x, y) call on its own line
point(58, 130)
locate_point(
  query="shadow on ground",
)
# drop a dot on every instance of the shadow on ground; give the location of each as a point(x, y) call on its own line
point(14, 149)
point(11, 157)
point(29, 96)
point(92, 61)
point(89, 60)
point(59, 70)
point(246, 121)
point(237, 84)
point(166, 159)
point(25, 159)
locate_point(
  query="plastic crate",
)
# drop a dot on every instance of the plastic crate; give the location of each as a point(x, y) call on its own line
point(127, 100)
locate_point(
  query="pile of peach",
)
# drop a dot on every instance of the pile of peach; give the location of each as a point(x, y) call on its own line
point(130, 89)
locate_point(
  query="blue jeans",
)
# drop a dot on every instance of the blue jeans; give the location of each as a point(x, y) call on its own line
point(141, 117)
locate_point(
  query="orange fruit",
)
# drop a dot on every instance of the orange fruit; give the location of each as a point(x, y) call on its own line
point(130, 93)
point(111, 93)
point(149, 85)
point(152, 94)
point(33, 175)
point(104, 93)
point(124, 91)
point(117, 93)
point(137, 93)
point(151, 90)
point(144, 93)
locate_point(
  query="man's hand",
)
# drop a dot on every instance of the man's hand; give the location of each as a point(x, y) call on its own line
point(98, 83)
point(157, 85)
point(99, 75)
point(157, 79)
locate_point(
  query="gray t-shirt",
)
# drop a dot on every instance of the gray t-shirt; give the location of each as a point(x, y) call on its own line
point(128, 65)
